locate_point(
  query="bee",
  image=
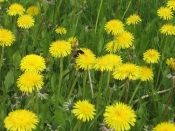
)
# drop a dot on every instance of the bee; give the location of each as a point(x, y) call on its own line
point(75, 54)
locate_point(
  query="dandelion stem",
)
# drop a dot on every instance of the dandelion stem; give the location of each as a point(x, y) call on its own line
point(132, 97)
point(99, 92)
point(24, 44)
point(90, 82)
point(96, 23)
point(84, 84)
point(2, 57)
point(77, 126)
point(58, 94)
point(169, 99)
point(72, 87)
point(107, 87)
point(127, 90)
point(36, 100)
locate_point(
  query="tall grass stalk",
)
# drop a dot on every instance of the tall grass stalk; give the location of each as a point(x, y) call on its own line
point(99, 9)
point(99, 92)
point(84, 83)
point(2, 57)
point(58, 92)
point(169, 99)
point(133, 95)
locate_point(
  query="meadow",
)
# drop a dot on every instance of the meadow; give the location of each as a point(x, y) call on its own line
point(91, 65)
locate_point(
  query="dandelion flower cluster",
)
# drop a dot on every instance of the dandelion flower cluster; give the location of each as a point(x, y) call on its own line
point(119, 116)
point(33, 63)
point(107, 62)
point(171, 4)
point(84, 110)
point(86, 60)
point(112, 47)
point(60, 48)
point(151, 56)
point(171, 63)
point(114, 27)
point(32, 10)
point(168, 29)
point(127, 70)
point(30, 81)
point(165, 13)
point(164, 126)
point(6, 37)
point(61, 30)
point(146, 74)
point(21, 120)
point(15, 9)
point(25, 21)
point(124, 39)
point(133, 19)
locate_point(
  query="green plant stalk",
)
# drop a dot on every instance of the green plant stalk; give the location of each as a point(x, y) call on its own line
point(84, 83)
point(152, 91)
point(108, 92)
point(96, 23)
point(90, 82)
point(132, 97)
point(77, 126)
point(169, 100)
point(57, 10)
point(74, 16)
point(36, 101)
point(127, 90)
point(58, 93)
point(2, 57)
point(99, 92)
point(127, 9)
point(72, 88)
point(24, 44)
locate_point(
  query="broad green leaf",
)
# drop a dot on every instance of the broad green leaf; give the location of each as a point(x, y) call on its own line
point(9, 79)
point(16, 59)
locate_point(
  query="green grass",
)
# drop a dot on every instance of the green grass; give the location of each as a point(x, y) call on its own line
point(69, 14)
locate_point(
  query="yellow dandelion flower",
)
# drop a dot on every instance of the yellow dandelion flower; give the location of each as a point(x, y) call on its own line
point(127, 70)
point(151, 56)
point(32, 10)
point(146, 73)
point(124, 39)
point(6, 37)
point(171, 4)
point(15, 9)
point(114, 27)
point(72, 40)
point(165, 13)
point(133, 19)
point(86, 60)
point(25, 21)
point(107, 62)
point(61, 30)
point(119, 116)
point(3, 0)
point(168, 29)
point(30, 81)
point(21, 120)
point(84, 110)
point(112, 47)
point(60, 48)
point(171, 63)
point(164, 126)
point(33, 63)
